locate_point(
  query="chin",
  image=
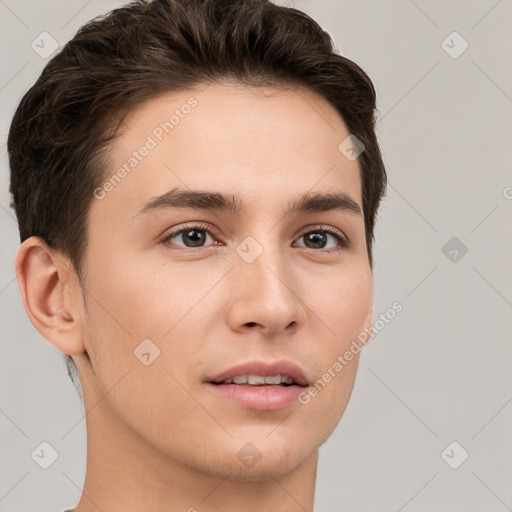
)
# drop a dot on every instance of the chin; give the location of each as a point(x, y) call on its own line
point(268, 467)
point(277, 460)
point(273, 461)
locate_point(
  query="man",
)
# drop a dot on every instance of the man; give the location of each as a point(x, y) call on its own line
point(196, 184)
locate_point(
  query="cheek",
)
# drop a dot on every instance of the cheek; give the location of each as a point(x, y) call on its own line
point(142, 300)
point(126, 308)
point(130, 305)
point(345, 309)
point(345, 306)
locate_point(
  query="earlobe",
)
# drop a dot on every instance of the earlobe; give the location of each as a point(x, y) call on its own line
point(46, 288)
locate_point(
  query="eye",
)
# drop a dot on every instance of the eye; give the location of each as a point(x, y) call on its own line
point(318, 237)
point(194, 235)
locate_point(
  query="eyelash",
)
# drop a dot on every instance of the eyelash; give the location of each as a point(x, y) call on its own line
point(342, 240)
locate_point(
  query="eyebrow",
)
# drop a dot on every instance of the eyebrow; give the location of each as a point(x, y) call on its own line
point(309, 202)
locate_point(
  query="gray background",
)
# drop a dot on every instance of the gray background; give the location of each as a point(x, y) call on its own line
point(441, 370)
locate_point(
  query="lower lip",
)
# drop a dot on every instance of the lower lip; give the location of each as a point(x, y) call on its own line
point(261, 398)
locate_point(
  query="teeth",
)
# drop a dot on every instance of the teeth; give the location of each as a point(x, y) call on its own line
point(258, 380)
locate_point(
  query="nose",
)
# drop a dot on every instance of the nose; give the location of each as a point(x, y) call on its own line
point(265, 296)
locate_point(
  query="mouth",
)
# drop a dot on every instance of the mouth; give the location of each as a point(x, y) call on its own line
point(259, 385)
point(260, 381)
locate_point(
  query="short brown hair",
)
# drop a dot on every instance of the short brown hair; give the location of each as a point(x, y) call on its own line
point(61, 129)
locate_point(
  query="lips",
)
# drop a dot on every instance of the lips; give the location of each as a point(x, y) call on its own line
point(254, 385)
point(285, 369)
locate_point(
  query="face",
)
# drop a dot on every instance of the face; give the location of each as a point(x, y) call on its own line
point(182, 288)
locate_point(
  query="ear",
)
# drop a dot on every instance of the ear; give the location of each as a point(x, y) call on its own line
point(51, 294)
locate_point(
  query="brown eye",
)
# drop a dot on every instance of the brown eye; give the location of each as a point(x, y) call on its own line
point(320, 238)
point(316, 240)
point(192, 237)
point(189, 236)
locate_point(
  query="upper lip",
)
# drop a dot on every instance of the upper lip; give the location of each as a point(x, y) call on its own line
point(265, 369)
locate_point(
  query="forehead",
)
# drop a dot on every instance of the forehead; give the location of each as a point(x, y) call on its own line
point(225, 136)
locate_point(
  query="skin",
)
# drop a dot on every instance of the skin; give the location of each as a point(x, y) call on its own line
point(157, 438)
